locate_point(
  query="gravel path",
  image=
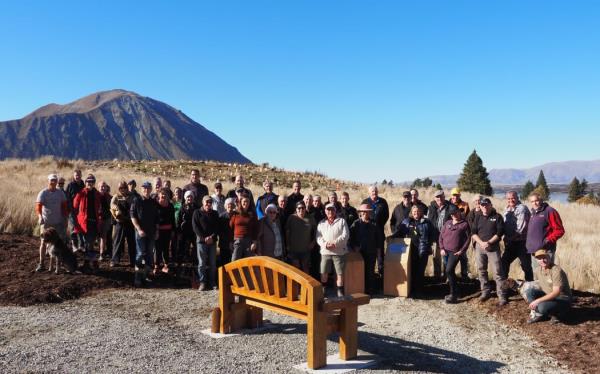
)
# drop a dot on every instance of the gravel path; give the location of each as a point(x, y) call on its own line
point(160, 330)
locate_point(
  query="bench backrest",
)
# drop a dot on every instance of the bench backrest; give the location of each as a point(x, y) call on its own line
point(273, 284)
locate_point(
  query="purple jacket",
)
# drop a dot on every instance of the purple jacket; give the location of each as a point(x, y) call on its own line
point(455, 237)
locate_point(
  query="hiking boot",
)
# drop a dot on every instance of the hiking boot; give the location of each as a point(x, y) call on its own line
point(485, 296)
point(202, 287)
point(536, 317)
point(39, 268)
point(450, 299)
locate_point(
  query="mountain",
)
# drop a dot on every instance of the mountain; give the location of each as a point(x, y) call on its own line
point(113, 124)
point(555, 173)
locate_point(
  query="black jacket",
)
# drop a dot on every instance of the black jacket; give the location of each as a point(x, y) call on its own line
point(398, 215)
point(381, 211)
point(184, 219)
point(366, 236)
point(348, 213)
point(487, 226)
point(206, 224)
point(433, 215)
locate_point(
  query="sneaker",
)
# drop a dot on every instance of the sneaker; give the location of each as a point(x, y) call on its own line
point(536, 317)
point(39, 268)
point(485, 296)
point(450, 299)
point(202, 287)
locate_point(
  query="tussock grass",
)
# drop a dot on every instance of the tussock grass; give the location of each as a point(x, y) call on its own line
point(23, 179)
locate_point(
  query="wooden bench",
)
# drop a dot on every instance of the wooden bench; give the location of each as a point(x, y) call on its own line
point(266, 283)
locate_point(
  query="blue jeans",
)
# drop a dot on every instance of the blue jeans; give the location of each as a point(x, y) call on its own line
point(207, 263)
point(554, 307)
point(144, 250)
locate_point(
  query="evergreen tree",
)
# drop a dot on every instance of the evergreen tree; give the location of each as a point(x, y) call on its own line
point(384, 182)
point(541, 182)
point(474, 177)
point(417, 183)
point(427, 182)
point(574, 190)
point(583, 187)
point(541, 191)
point(438, 186)
point(527, 189)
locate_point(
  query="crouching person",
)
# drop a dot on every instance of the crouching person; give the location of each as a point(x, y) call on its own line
point(551, 298)
point(144, 215)
point(332, 237)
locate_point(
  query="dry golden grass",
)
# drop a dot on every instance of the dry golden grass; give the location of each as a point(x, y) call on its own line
point(23, 179)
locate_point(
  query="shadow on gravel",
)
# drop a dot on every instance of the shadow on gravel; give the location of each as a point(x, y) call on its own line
point(402, 355)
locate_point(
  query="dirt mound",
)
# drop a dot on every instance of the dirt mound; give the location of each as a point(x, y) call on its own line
point(20, 285)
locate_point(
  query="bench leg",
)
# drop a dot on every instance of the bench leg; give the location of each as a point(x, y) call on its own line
point(348, 333)
point(317, 341)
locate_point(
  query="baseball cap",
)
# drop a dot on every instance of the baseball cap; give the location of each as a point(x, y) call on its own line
point(485, 201)
point(146, 185)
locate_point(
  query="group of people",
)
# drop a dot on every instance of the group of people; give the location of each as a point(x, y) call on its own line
point(162, 228)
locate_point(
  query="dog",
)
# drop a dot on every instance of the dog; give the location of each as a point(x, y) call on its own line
point(520, 286)
point(57, 249)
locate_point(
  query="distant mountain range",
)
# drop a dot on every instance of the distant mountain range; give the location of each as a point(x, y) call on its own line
point(114, 124)
point(555, 172)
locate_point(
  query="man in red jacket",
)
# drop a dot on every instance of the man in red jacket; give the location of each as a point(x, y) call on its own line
point(87, 204)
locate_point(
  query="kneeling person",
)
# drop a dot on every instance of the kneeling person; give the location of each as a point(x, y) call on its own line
point(552, 297)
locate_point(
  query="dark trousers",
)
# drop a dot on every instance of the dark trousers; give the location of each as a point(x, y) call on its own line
point(184, 251)
point(554, 307)
point(224, 252)
point(123, 232)
point(418, 265)
point(451, 272)
point(512, 251)
point(369, 261)
point(161, 249)
point(315, 263)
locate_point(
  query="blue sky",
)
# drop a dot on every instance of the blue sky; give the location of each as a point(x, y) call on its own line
point(360, 90)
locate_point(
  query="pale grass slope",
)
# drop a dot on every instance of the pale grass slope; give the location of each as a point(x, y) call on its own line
point(22, 180)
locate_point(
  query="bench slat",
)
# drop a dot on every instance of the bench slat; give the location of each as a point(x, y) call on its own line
point(277, 308)
point(250, 295)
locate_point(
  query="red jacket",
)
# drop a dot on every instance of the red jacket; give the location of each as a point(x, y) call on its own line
point(80, 204)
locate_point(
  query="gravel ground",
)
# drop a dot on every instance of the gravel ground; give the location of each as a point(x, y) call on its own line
point(160, 330)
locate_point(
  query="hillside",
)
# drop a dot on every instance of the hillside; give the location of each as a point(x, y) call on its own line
point(114, 124)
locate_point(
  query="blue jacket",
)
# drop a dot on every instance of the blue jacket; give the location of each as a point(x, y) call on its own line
point(421, 232)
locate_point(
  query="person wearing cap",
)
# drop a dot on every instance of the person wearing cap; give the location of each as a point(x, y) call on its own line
point(379, 215)
point(240, 190)
point(462, 205)
point(454, 242)
point(88, 205)
point(438, 214)
point(420, 230)
point(347, 211)
point(265, 199)
point(52, 211)
point(200, 190)
point(145, 219)
point(300, 234)
point(166, 229)
point(186, 237)
point(245, 229)
point(368, 240)
point(72, 190)
point(550, 295)
point(414, 200)
point(516, 218)
point(332, 238)
point(218, 199)
point(400, 212)
point(487, 232)
point(225, 233)
point(545, 227)
point(270, 239)
point(206, 227)
point(294, 198)
point(123, 231)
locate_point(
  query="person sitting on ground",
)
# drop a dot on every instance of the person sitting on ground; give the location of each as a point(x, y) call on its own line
point(487, 232)
point(270, 235)
point(332, 237)
point(454, 242)
point(421, 232)
point(52, 210)
point(552, 297)
point(368, 240)
point(300, 234)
